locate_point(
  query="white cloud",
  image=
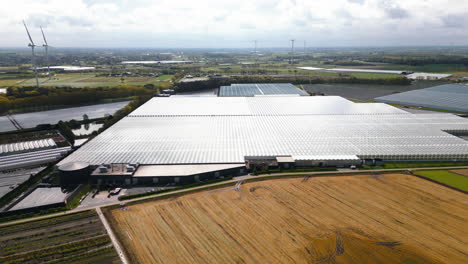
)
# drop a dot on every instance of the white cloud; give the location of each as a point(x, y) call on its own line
point(235, 23)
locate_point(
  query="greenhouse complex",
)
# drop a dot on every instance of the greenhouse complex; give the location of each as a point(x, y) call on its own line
point(239, 133)
point(452, 97)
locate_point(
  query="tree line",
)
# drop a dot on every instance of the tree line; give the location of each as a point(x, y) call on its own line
point(415, 61)
point(216, 83)
point(19, 98)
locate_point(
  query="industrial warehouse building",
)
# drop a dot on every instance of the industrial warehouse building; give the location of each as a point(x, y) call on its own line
point(180, 138)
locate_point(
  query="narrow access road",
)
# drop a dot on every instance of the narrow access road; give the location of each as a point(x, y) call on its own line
point(111, 234)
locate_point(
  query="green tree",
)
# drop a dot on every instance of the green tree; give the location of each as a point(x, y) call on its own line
point(4, 104)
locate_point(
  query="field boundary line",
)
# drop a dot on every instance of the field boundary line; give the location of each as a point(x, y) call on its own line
point(440, 183)
point(112, 236)
point(230, 182)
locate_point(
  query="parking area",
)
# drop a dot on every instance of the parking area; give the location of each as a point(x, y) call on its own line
point(102, 198)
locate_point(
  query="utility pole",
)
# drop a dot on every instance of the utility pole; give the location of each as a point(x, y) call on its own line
point(292, 51)
point(255, 52)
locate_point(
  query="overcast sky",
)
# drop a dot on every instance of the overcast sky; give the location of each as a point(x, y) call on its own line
point(235, 23)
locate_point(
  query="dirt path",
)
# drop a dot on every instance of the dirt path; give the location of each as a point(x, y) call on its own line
point(114, 240)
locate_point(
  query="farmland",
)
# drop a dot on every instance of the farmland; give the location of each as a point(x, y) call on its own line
point(390, 218)
point(74, 238)
point(85, 80)
point(457, 179)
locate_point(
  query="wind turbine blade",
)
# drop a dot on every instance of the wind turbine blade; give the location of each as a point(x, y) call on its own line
point(29, 35)
point(45, 41)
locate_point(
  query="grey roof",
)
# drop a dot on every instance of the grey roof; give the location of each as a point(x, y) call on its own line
point(206, 130)
point(260, 89)
point(41, 197)
point(453, 97)
point(32, 158)
point(73, 166)
point(181, 169)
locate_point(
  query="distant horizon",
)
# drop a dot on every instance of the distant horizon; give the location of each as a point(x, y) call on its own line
point(285, 48)
point(233, 24)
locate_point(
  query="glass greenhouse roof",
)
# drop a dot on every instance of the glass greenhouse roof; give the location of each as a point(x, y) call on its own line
point(226, 129)
point(453, 97)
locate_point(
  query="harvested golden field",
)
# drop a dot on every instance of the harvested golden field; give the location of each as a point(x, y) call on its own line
point(344, 219)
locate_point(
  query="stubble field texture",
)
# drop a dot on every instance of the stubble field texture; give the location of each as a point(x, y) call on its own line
point(389, 218)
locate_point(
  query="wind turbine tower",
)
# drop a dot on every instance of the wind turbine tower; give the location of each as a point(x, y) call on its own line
point(292, 51)
point(255, 51)
point(46, 46)
point(33, 60)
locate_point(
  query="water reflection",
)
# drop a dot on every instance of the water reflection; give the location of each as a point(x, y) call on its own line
point(87, 129)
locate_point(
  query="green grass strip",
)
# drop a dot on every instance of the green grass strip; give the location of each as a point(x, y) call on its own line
point(446, 177)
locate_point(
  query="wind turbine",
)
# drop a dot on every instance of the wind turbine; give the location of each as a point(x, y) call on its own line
point(33, 60)
point(46, 46)
point(255, 51)
point(292, 51)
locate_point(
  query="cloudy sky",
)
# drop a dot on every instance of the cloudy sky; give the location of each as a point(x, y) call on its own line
point(235, 23)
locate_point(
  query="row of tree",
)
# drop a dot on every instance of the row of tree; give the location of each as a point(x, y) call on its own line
point(418, 61)
point(216, 83)
point(50, 97)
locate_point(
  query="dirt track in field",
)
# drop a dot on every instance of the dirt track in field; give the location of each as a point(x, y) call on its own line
point(461, 172)
point(347, 219)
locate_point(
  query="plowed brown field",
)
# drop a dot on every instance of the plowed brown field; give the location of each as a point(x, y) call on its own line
point(345, 219)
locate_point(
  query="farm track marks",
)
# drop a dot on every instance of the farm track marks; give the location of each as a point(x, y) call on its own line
point(393, 218)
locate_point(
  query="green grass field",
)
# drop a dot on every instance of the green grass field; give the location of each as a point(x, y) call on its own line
point(165, 77)
point(446, 177)
point(436, 68)
point(403, 165)
point(86, 80)
point(10, 82)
